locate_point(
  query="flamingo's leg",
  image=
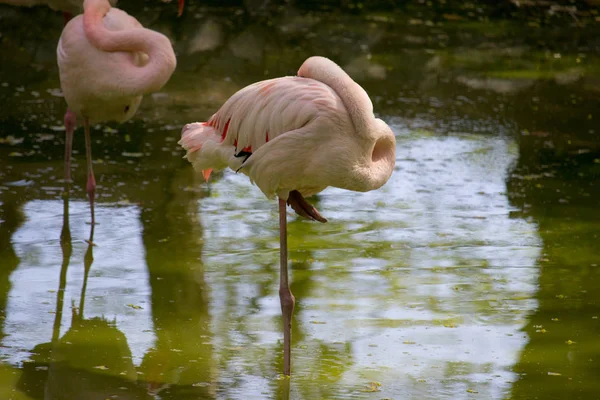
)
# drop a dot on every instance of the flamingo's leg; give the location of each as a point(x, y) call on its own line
point(91, 180)
point(70, 125)
point(303, 207)
point(285, 295)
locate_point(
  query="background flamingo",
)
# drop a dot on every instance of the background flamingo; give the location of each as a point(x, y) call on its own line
point(107, 61)
point(68, 7)
point(295, 136)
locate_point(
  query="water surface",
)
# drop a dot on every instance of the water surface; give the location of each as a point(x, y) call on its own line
point(473, 273)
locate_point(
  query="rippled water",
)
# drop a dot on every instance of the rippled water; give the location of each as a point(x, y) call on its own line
point(423, 285)
point(473, 273)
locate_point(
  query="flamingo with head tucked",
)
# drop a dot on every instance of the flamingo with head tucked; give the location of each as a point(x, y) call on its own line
point(293, 137)
point(68, 7)
point(107, 62)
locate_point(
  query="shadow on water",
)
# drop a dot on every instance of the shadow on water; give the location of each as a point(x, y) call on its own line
point(562, 358)
point(11, 218)
point(181, 363)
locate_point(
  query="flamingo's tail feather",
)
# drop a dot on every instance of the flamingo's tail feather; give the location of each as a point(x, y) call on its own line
point(202, 143)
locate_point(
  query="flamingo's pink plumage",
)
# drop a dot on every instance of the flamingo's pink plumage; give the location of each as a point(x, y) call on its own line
point(302, 132)
point(107, 61)
point(295, 136)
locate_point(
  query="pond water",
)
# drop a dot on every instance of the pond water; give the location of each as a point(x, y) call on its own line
point(473, 273)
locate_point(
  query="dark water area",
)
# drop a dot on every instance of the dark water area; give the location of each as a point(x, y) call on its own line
point(473, 273)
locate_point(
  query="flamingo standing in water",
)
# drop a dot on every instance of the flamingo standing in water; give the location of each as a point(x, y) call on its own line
point(68, 7)
point(295, 136)
point(107, 61)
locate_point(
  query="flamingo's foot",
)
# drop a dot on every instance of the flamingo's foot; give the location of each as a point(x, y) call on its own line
point(303, 207)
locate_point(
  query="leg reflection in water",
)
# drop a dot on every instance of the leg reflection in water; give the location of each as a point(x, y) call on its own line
point(92, 359)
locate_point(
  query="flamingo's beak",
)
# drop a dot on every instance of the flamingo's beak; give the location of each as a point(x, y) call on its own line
point(180, 10)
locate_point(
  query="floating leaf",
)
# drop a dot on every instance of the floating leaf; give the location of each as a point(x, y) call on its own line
point(11, 140)
point(128, 154)
point(135, 307)
point(372, 387)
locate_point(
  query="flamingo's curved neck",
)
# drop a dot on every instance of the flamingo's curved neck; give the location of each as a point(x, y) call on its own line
point(353, 96)
point(138, 80)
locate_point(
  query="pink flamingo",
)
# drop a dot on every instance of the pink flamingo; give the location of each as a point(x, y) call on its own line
point(68, 7)
point(293, 137)
point(107, 61)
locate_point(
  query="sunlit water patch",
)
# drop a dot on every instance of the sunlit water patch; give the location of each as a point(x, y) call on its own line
point(418, 290)
point(422, 286)
point(117, 288)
